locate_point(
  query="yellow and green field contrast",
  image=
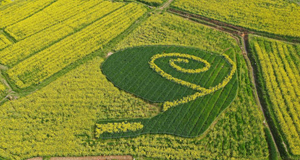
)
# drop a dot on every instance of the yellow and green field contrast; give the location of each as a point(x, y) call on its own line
point(151, 79)
point(280, 75)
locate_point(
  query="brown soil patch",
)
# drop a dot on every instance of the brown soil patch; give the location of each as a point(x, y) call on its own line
point(36, 158)
point(94, 158)
point(109, 54)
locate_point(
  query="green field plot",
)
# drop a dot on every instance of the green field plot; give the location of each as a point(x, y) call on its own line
point(279, 76)
point(130, 70)
point(272, 16)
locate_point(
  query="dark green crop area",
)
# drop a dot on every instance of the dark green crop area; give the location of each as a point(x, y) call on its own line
point(129, 70)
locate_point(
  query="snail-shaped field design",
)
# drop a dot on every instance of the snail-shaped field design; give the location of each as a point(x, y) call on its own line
point(194, 87)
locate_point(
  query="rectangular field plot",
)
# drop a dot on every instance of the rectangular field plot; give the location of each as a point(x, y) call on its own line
point(60, 49)
point(51, 34)
point(59, 12)
point(20, 10)
point(280, 77)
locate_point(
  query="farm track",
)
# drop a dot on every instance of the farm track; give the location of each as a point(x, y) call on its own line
point(166, 5)
point(255, 85)
point(229, 28)
point(236, 32)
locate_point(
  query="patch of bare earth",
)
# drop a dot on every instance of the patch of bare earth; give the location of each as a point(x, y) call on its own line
point(36, 158)
point(109, 54)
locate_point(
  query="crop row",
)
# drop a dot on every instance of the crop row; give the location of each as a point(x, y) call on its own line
point(281, 77)
point(58, 12)
point(42, 65)
point(21, 10)
point(45, 38)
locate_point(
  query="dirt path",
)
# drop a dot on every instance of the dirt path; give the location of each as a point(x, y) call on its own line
point(235, 31)
point(253, 80)
point(229, 27)
point(165, 5)
point(10, 93)
point(109, 54)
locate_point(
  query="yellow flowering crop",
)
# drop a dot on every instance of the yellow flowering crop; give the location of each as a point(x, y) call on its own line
point(282, 80)
point(44, 64)
point(23, 49)
point(2, 88)
point(19, 11)
point(117, 127)
point(60, 12)
point(4, 42)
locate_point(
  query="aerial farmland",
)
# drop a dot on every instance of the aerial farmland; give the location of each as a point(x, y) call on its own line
point(149, 79)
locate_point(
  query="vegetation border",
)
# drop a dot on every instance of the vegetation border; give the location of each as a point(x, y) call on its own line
point(276, 130)
point(233, 27)
point(100, 52)
point(147, 100)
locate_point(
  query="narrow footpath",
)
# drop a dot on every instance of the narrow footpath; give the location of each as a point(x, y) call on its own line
point(166, 5)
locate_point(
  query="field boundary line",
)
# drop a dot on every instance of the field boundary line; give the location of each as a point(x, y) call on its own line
point(166, 4)
point(39, 10)
point(230, 28)
point(243, 33)
point(245, 44)
point(165, 132)
point(8, 36)
point(68, 35)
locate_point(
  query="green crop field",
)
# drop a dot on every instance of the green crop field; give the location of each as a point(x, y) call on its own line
point(149, 79)
point(194, 110)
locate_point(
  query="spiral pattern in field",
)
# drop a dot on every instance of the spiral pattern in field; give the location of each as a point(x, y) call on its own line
point(192, 85)
point(184, 58)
